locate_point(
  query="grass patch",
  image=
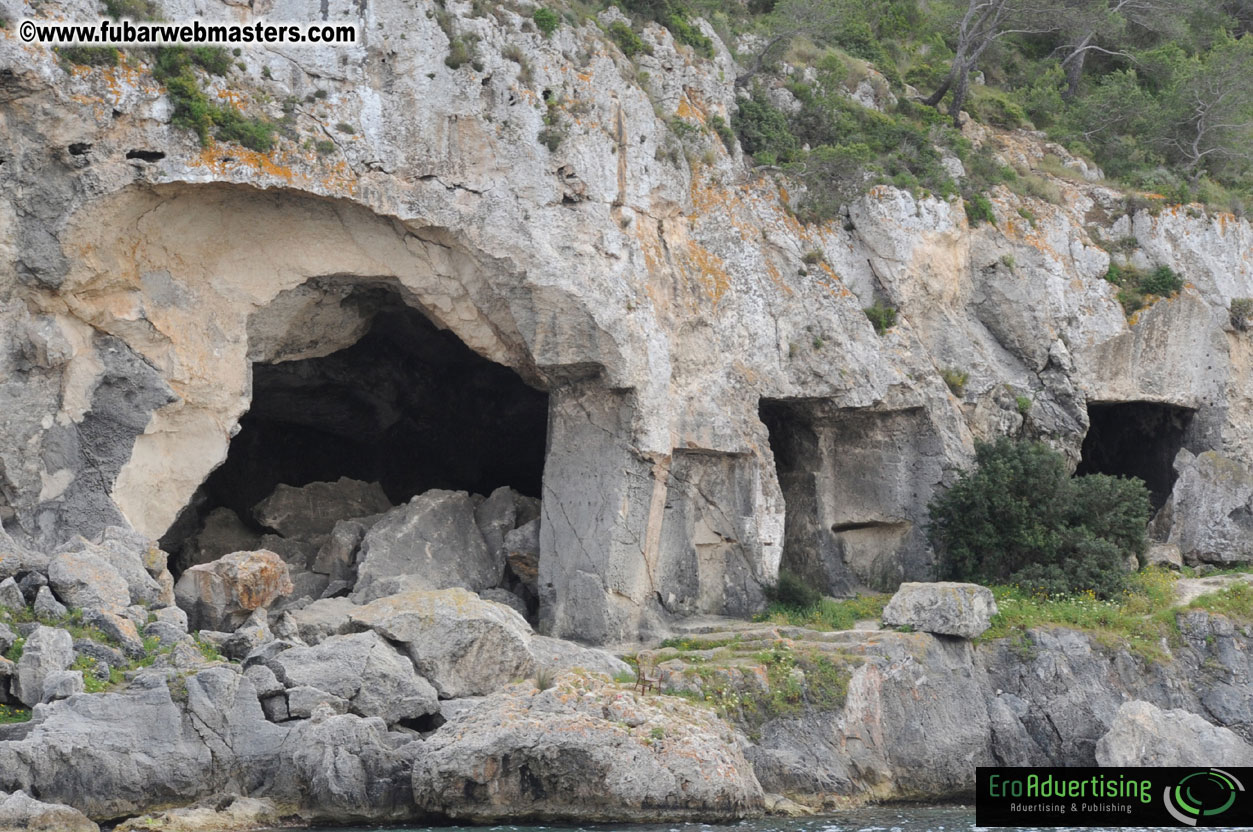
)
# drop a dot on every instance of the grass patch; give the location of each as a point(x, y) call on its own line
point(1137, 288)
point(10, 714)
point(1136, 619)
point(1235, 602)
point(881, 316)
point(827, 614)
point(956, 380)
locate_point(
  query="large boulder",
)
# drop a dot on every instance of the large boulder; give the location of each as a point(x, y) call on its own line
point(232, 814)
point(11, 595)
point(20, 811)
point(463, 645)
point(521, 551)
point(1210, 510)
point(496, 516)
point(86, 580)
point(222, 533)
point(323, 618)
point(222, 594)
point(943, 608)
point(584, 751)
point(135, 559)
point(1144, 735)
point(310, 512)
point(555, 654)
point(362, 669)
point(431, 542)
point(47, 651)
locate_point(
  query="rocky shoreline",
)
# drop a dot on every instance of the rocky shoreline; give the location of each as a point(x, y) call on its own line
point(436, 705)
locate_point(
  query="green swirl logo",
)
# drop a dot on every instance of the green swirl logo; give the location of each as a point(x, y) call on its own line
point(1202, 794)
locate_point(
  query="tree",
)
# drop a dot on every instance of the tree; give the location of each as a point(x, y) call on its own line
point(789, 19)
point(1103, 27)
point(1019, 517)
point(983, 23)
point(1210, 111)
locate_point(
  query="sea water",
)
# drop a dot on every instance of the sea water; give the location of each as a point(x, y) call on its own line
point(873, 819)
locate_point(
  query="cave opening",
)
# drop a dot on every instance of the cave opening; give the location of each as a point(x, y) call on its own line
point(1136, 439)
point(408, 406)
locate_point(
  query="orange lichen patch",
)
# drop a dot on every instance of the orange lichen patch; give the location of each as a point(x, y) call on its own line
point(232, 97)
point(585, 77)
point(123, 77)
point(773, 271)
point(707, 268)
point(225, 159)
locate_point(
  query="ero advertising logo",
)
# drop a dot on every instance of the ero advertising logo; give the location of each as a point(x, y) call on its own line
point(1206, 797)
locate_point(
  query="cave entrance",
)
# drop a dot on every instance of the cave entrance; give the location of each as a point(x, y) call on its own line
point(855, 486)
point(408, 406)
point(1136, 439)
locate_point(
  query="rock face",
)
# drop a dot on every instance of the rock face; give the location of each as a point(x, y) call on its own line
point(464, 646)
point(311, 511)
point(944, 608)
point(525, 754)
point(47, 651)
point(362, 669)
point(20, 811)
point(432, 542)
point(1143, 735)
point(222, 594)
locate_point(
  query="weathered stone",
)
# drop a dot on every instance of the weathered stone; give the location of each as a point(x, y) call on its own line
point(7, 637)
point(1211, 509)
point(85, 580)
point(310, 512)
point(20, 811)
point(129, 554)
point(303, 700)
point(172, 616)
point(323, 618)
point(464, 646)
point(7, 671)
point(10, 596)
point(504, 596)
point(521, 550)
point(62, 684)
point(223, 533)
point(364, 671)
point(1166, 555)
point(1188, 590)
point(496, 516)
point(945, 608)
point(47, 606)
point(431, 542)
point(275, 706)
point(232, 814)
point(555, 655)
point(47, 651)
point(1144, 735)
point(566, 754)
point(263, 680)
point(101, 653)
point(121, 630)
point(337, 557)
point(222, 594)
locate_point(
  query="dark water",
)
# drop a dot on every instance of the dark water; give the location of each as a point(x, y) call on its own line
point(874, 819)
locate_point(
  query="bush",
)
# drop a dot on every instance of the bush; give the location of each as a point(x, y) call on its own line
point(627, 40)
point(546, 20)
point(956, 380)
point(882, 317)
point(1241, 311)
point(1162, 281)
point(793, 592)
point(763, 129)
point(979, 210)
point(90, 55)
point(1020, 518)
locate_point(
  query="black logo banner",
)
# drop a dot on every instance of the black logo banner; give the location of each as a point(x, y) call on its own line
point(1209, 797)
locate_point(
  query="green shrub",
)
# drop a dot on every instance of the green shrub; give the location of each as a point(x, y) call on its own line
point(793, 592)
point(90, 55)
point(979, 210)
point(627, 40)
point(883, 317)
point(762, 128)
point(996, 108)
point(1023, 403)
point(460, 52)
point(1162, 282)
point(1019, 517)
point(956, 380)
point(324, 146)
point(134, 9)
point(345, 127)
point(724, 131)
point(546, 20)
point(1241, 311)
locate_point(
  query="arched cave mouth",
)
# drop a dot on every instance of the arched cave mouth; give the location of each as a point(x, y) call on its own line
point(408, 406)
point(1136, 439)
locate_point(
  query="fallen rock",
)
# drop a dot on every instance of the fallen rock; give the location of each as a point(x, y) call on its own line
point(1210, 509)
point(7, 637)
point(521, 551)
point(223, 532)
point(554, 655)
point(248, 636)
point(88, 581)
point(337, 557)
point(310, 512)
point(303, 700)
point(10, 595)
point(20, 811)
point(121, 630)
point(503, 596)
point(569, 754)
point(62, 684)
point(47, 606)
point(128, 553)
point(363, 670)
point(1144, 735)
point(1166, 555)
point(943, 608)
point(47, 651)
point(463, 645)
point(222, 594)
point(431, 542)
point(225, 814)
point(496, 516)
point(323, 618)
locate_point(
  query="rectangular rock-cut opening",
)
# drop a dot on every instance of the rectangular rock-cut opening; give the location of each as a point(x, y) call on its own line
point(855, 484)
point(1136, 439)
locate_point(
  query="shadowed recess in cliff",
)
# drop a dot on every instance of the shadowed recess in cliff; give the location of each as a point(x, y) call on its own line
point(408, 406)
point(1136, 439)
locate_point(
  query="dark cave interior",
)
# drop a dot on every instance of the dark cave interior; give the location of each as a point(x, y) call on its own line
point(1135, 439)
point(408, 406)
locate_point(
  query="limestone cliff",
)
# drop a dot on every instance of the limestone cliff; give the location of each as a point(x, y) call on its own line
point(705, 355)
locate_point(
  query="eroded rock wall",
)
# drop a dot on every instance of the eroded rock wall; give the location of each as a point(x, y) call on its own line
point(654, 286)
